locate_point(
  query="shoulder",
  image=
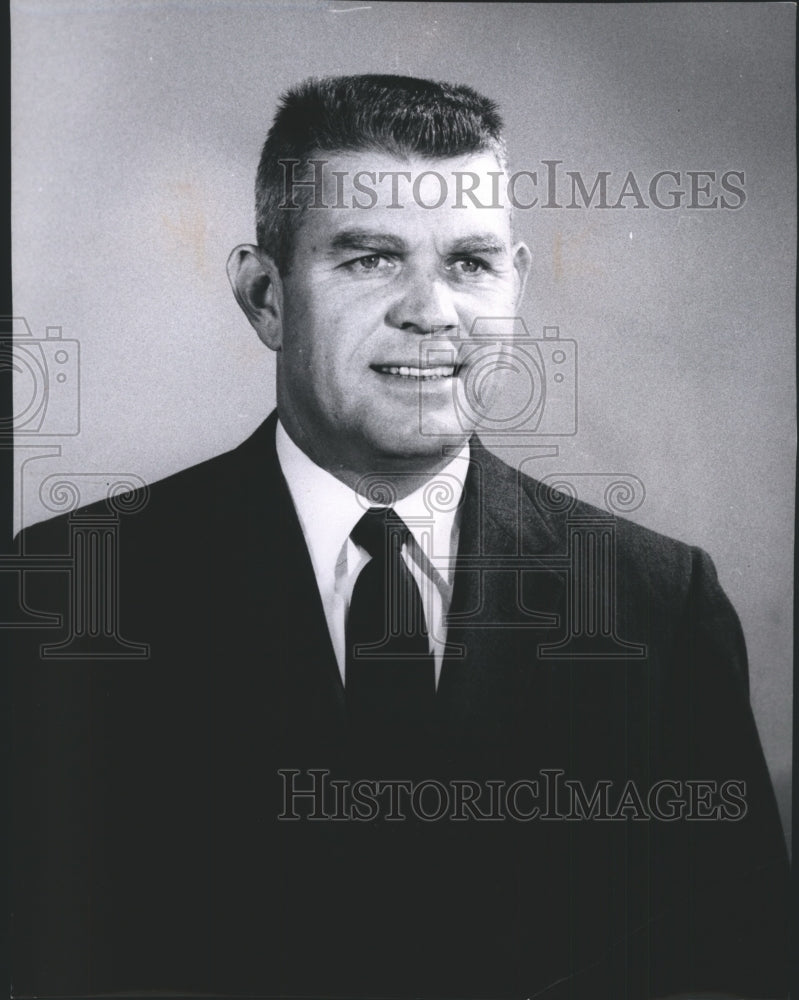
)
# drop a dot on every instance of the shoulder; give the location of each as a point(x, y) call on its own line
point(646, 557)
point(661, 588)
point(192, 501)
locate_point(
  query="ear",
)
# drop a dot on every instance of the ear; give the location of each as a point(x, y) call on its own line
point(522, 261)
point(259, 291)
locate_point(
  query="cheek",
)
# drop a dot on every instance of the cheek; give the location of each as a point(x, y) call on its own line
point(320, 362)
point(485, 302)
point(335, 342)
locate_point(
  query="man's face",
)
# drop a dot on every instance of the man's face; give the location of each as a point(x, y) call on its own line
point(370, 290)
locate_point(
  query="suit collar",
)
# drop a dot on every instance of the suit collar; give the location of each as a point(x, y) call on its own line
point(499, 503)
point(502, 516)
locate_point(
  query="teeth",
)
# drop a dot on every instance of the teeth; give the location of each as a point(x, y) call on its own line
point(406, 371)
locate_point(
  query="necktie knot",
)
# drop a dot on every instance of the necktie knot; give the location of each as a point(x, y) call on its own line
point(377, 529)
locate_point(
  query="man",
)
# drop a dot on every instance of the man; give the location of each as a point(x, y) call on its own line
point(361, 613)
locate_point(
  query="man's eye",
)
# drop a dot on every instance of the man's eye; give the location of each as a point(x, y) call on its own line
point(469, 265)
point(371, 262)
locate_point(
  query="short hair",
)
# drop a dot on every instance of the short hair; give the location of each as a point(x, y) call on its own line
point(398, 115)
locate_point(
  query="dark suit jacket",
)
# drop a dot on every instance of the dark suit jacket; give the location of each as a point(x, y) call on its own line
point(149, 852)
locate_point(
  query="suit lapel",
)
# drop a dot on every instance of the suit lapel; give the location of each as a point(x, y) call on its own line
point(506, 599)
point(284, 601)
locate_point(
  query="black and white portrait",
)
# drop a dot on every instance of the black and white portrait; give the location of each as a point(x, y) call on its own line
point(404, 439)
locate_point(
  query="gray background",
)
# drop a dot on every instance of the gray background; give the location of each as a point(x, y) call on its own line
point(136, 131)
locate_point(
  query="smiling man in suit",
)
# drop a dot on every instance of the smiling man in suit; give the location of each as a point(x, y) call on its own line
point(363, 757)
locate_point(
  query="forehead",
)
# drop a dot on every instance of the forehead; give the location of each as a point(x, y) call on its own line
point(415, 198)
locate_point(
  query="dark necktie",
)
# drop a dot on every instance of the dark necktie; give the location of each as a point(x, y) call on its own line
point(390, 672)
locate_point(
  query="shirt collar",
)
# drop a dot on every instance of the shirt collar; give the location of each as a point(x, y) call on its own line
point(328, 510)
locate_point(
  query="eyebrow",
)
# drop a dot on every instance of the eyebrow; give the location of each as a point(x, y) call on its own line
point(483, 243)
point(364, 239)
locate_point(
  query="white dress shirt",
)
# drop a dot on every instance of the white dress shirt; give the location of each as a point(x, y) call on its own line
point(328, 510)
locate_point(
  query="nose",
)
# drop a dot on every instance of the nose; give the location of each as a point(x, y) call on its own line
point(425, 305)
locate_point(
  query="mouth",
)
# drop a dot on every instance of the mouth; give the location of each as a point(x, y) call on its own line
point(412, 372)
